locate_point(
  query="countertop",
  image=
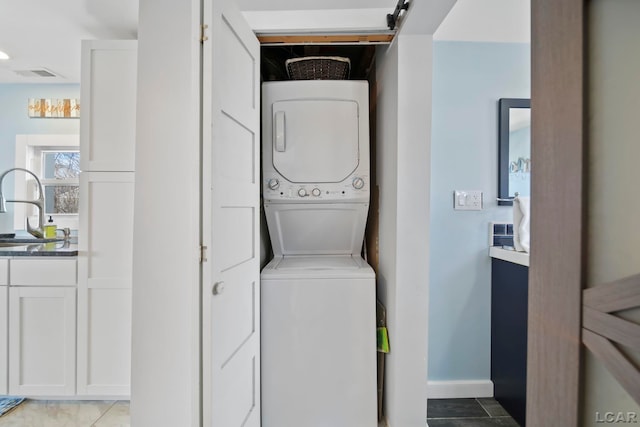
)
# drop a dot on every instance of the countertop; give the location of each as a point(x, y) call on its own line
point(27, 248)
point(513, 256)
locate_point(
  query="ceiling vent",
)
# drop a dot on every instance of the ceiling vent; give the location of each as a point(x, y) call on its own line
point(41, 72)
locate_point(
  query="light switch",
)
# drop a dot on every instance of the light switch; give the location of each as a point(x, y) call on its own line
point(467, 200)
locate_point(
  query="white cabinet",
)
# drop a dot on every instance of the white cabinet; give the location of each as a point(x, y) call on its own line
point(107, 153)
point(43, 272)
point(108, 99)
point(42, 326)
point(104, 341)
point(104, 290)
point(42, 341)
point(4, 272)
point(4, 318)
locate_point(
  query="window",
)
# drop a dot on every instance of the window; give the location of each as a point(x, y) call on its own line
point(55, 159)
point(59, 174)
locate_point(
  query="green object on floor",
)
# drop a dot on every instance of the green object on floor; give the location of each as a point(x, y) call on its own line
point(383, 340)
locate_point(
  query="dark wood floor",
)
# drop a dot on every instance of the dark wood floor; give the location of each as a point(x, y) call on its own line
point(480, 412)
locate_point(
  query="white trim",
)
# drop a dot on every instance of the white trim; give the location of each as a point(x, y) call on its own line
point(459, 389)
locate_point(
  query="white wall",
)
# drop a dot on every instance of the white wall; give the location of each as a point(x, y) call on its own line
point(165, 349)
point(404, 128)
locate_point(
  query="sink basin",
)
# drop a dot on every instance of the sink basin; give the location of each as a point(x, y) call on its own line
point(27, 241)
point(10, 245)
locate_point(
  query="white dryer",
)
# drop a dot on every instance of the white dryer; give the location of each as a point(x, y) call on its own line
point(318, 348)
point(315, 151)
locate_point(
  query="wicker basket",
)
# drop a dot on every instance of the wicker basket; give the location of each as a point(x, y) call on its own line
point(318, 68)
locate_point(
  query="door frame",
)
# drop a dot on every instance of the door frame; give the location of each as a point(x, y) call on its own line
point(558, 222)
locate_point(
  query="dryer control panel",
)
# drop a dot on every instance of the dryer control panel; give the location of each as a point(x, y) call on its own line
point(277, 189)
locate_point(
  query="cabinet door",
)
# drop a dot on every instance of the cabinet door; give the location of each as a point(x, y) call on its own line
point(509, 298)
point(104, 283)
point(4, 317)
point(104, 341)
point(105, 238)
point(108, 99)
point(42, 341)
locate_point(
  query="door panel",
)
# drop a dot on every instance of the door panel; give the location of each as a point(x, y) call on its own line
point(237, 151)
point(42, 341)
point(236, 225)
point(238, 67)
point(238, 310)
point(231, 201)
point(238, 402)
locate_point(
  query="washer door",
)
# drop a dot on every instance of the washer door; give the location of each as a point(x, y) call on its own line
point(315, 140)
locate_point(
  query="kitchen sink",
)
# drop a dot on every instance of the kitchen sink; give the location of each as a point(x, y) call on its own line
point(12, 244)
point(27, 241)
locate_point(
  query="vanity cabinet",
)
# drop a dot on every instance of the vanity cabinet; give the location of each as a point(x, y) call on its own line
point(509, 302)
point(42, 326)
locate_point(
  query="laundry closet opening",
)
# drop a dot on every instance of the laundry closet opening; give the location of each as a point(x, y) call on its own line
point(362, 66)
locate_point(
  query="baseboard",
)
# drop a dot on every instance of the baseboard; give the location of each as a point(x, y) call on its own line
point(459, 389)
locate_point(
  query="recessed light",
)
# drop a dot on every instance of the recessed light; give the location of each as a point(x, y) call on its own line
point(3, 55)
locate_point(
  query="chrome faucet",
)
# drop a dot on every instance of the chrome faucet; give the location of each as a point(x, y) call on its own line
point(39, 203)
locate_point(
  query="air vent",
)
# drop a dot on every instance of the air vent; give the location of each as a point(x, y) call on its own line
point(41, 72)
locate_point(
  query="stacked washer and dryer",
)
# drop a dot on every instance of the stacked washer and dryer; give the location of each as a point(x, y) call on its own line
point(318, 348)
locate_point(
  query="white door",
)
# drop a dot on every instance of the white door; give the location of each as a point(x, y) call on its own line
point(231, 207)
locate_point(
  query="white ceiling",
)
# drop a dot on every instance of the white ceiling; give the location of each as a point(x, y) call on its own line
point(487, 21)
point(45, 34)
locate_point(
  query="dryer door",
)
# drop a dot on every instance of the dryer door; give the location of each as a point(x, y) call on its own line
point(315, 140)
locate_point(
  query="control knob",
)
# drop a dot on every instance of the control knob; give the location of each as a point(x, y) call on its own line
point(302, 192)
point(358, 183)
point(316, 192)
point(274, 183)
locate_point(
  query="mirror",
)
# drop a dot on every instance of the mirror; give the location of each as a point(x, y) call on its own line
point(514, 149)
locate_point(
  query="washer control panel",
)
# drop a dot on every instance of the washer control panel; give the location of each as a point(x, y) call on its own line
point(278, 189)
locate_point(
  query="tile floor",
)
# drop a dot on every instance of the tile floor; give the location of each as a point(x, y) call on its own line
point(485, 412)
point(65, 413)
point(481, 412)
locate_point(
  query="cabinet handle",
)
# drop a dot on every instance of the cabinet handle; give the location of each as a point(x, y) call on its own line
point(218, 287)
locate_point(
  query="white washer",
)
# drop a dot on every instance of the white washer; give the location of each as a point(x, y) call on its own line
point(318, 340)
